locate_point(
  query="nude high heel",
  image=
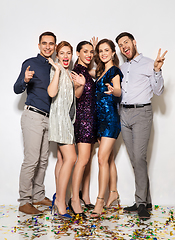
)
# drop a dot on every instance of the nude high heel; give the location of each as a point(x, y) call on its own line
point(94, 214)
point(115, 202)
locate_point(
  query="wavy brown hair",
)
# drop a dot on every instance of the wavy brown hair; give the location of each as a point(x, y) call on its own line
point(100, 65)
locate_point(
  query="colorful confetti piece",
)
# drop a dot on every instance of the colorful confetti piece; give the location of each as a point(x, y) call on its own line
point(113, 224)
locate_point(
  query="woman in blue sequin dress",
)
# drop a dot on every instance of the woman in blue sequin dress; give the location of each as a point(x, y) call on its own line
point(85, 128)
point(108, 92)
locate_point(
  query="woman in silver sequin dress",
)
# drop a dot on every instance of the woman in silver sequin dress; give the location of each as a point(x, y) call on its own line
point(61, 120)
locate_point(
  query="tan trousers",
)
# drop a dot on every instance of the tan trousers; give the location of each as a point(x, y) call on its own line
point(36, 151)
point(136, 128)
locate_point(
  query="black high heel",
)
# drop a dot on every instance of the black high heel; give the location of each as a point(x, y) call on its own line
point(82, 214)
point(89, 206)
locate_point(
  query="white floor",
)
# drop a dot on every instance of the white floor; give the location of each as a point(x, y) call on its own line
point(114, 224)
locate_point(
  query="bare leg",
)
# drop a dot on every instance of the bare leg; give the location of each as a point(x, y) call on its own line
point(58, 166)
point(113, 194)
point(84, 152)
point(69, 159)
point(86, 181)
point(105, 149)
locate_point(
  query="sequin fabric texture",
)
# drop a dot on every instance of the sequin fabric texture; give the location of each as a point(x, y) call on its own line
point(85, 123)
point(61, 129)
point(108, 119)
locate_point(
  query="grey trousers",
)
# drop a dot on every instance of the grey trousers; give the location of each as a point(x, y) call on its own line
point(36, 151)
point(136, 128)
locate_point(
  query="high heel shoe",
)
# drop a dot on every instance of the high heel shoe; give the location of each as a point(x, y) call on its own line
point(53, 201)
point(95, 214)
point(82, 214)
point(54, 209)
point(115, 202)
point(89, 206)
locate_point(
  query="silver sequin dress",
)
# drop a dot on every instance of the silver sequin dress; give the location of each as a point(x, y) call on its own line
point(62, 110)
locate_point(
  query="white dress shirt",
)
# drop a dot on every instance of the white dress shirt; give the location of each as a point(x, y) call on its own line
point(140, 81)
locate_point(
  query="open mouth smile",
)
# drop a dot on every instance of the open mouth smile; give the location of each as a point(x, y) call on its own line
point(66, 62)
point(127, 51)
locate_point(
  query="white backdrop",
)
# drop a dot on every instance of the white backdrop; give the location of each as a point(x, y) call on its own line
point(152, 24)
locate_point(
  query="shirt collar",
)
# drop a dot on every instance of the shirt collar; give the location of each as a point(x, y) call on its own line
point(137, 59)
point(42, 59)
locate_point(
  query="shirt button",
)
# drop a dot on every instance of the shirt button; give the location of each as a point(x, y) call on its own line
point(127, 71)
point(126, 81)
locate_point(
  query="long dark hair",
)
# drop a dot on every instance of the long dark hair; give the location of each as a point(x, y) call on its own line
point(100, 65)
point(78, 49)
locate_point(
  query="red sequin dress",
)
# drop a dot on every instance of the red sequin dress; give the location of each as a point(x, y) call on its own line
point(85, 123)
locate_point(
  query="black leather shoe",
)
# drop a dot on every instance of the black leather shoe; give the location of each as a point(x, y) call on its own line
point(82, 214)
point(88, 206)
point(134, 208)
point(149, 206)
point(143, 212)
point(131, 209)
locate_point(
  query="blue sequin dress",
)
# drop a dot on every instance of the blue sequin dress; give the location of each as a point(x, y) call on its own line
point(108, 119)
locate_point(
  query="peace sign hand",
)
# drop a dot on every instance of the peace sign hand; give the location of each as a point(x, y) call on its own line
point(28, 74)
point(159, 61)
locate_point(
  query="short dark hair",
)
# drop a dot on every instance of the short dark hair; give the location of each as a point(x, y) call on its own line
point(123, 34)
point(47, 34)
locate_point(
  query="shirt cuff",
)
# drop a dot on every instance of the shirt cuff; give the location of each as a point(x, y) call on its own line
point(157, 75)
point(24, 85)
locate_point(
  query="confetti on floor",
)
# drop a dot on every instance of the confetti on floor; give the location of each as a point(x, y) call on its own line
point(113, 224)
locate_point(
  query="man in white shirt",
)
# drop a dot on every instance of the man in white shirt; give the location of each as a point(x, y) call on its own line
point(142, 79)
